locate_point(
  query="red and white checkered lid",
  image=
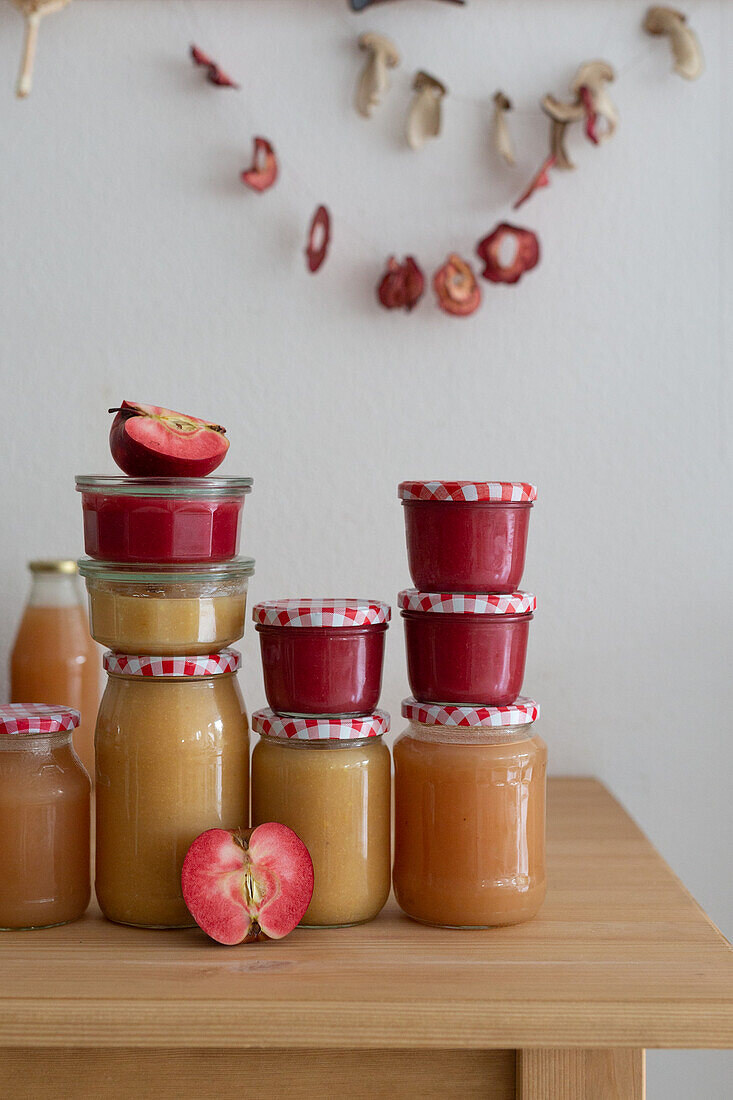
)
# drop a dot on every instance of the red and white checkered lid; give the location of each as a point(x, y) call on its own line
point(466, 603)
point(305, 612)
point(520, 713)
point(125, 664)
point(506, 492)
point(37, 718)
point(270, 724)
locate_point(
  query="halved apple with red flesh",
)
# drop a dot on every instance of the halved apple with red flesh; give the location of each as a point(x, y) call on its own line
point(148, 441)
point(242, 884)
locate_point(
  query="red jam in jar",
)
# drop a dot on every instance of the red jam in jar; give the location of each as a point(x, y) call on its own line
point(322, 657)
point(466, 536)
point(166, 519)
point(466, 648)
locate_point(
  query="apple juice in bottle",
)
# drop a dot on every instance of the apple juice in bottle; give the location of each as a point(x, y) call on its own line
point(55, 659)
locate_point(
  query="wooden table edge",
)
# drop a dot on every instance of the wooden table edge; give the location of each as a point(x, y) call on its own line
point(268, 1025)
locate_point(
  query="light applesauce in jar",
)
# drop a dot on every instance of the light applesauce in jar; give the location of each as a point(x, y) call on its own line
point(470, 815)
point(167, 609)
point(172, 748)
point(44, 818)
point(330, 781)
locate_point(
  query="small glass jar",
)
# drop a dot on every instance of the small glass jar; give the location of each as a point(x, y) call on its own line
point(470, 815)
point(466, 536)
point(172, 761)
point(162, 519)
point(159, 609)
point(44, 818)
point(466, 648)
point(322, 657)
point(329, 780)
point(54, 658)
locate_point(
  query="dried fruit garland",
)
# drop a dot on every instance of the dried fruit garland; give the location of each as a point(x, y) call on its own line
point(457, 290)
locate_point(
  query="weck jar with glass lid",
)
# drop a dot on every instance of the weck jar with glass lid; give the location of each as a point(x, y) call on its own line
point(172, 747)
point(329, 780)
point(44, 818)
point(470, 814)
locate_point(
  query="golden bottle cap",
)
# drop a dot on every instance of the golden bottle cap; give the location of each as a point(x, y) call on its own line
point(61, 565)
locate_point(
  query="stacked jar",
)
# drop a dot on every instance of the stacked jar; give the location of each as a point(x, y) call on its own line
point(470, 772)
point(321, 766)
point(167, 595)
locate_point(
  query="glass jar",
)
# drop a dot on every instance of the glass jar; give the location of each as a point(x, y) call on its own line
point(466, 648)
point(172, 761)
point(329, 780)
point(322, 657)
point(162, 519)
point(54, 659)
point(466, 536)
point(159, 609)
point(470, 815)
point(44, 818)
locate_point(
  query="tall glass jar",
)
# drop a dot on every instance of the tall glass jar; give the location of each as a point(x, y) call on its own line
point(330, 781)
point(172, 748)
point(44, 818)
point(470, 814)
point(54, 658)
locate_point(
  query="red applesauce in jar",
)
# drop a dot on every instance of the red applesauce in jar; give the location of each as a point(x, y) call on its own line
point(322, 657)
point(466, 536)
point(466, 647)
point(130, 519)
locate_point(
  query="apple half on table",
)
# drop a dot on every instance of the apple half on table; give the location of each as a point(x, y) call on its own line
point(243, 884)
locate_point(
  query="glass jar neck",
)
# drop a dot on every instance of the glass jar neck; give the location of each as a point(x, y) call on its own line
point(206, 681)
point(55, 590)
point(471, 735)
point(38, 743)
point(298, 743)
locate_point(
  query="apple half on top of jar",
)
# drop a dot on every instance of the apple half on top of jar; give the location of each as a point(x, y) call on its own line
point(150, 441)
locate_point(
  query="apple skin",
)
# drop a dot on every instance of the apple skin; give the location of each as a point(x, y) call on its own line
point(247, 883)
point(150, 441)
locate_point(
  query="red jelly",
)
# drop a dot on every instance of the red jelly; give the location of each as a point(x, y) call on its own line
point(466, 648)
point(466, 536)
point(322, 656)
point(165, 519)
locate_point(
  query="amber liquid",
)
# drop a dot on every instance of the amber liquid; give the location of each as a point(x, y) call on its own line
point(55, 660)
point(44, 833)
point(470, 830)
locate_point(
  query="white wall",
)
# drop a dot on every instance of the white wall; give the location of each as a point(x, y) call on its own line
point(135, 265)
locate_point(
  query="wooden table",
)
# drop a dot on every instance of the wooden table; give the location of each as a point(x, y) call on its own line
point(621, 958)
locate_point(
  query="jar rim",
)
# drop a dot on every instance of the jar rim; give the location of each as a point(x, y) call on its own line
point(468, 492)
point(19, 719)
point(466, 603)
point(522, 712)
point(165, 573)
point(318, 728)
point(203, 488)
point(151, 667)
point(338, 612)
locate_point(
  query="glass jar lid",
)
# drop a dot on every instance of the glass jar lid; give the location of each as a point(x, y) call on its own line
point(205, 488)
point(162, 574)
point(466, 603)
point(522, 712)
point(37, 718)
point(496, 492)
point(212, 664)
point(326, 612)
point(270, 724)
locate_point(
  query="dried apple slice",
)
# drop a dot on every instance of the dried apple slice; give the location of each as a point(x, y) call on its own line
point(526, 255)
point(540, 179)
point(263, 172)
point(214, 74)
point(319, 238)
point(402, 285)
point(241, 885)
point(456, 288)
